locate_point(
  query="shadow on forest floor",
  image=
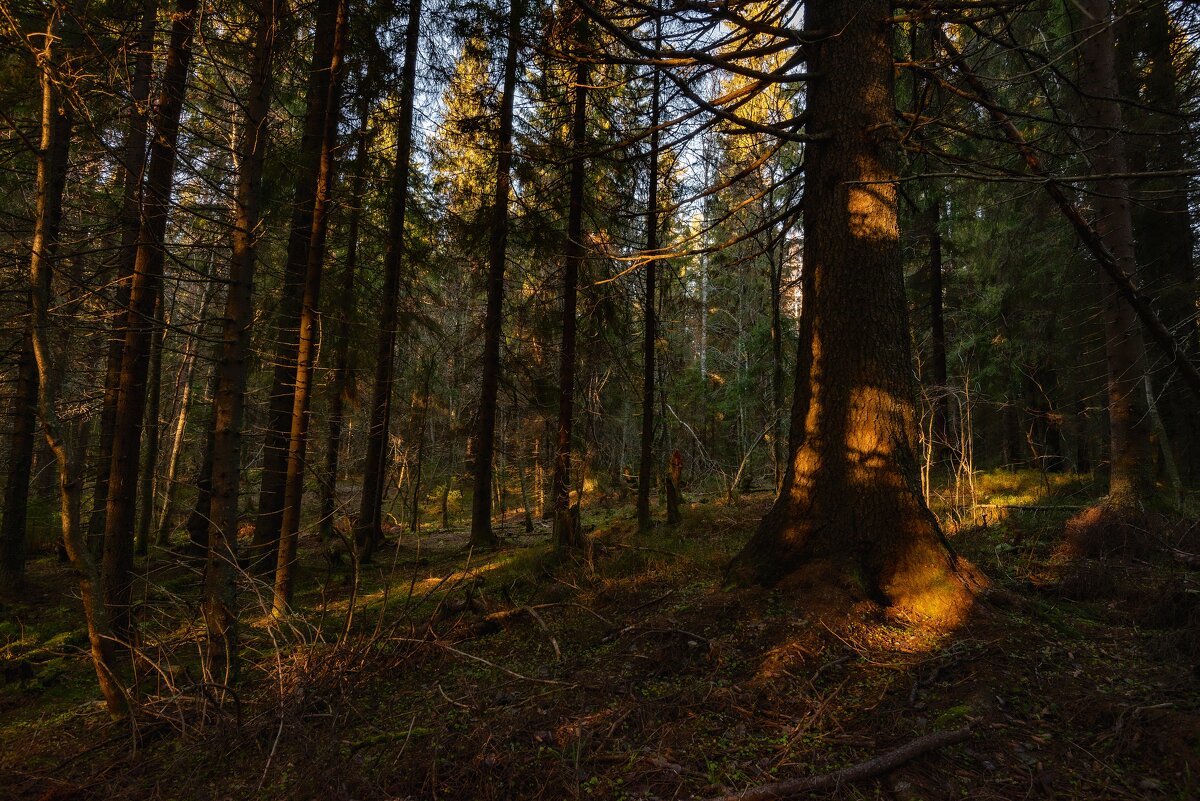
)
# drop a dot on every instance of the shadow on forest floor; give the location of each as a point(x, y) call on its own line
point(630, 673)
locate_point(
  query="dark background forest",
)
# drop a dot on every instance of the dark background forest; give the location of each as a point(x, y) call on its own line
point(599, 398)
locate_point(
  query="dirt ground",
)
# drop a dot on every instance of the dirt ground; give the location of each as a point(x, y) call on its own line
point(629, 672)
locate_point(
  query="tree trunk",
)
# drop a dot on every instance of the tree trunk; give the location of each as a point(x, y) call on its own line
point(367, 530)
point(485, 432)
point(851, 506)
point(1129, 482)
point(306, 352)
point(151, 431)
point(565, 523)
point(1162, 220)
point(650, 332)
point(131, 166)
point(51, 179)
point(139, 327)
point(346, 313)
point(293, 329)
point(219, 604)
point(181, 406)
point(20, 455)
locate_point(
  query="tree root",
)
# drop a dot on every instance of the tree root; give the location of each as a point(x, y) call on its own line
point(855, 773)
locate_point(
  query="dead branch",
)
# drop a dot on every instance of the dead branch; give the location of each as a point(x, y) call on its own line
point(855, 773)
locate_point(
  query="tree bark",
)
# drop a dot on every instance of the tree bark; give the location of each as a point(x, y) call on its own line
point(219, 603)
point(151, 428)
point(51, 179)
point(139, 326)
point(485, 432)
point(132, 165)
point(345, 315)
point(851, 505)
point(1129, 482)
point(306, 352)
point(566, 528)
point(16, 490)
point(294, 327)
point(370, 513)
point(650, 328)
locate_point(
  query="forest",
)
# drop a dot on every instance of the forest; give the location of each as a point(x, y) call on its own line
point(599, 399)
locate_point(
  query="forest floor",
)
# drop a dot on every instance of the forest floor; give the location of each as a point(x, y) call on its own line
point(630, 672)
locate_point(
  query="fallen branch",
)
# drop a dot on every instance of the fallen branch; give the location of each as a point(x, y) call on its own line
point(855, 773)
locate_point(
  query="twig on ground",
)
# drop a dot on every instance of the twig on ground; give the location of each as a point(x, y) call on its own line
point(855, 773)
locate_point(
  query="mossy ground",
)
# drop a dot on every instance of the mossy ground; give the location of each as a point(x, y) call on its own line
point(630, 672)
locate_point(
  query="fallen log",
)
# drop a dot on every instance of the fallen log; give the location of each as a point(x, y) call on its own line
point(855, 773)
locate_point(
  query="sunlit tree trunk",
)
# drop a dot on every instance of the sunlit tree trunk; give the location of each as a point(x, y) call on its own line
point(294, 330)
point(368, 533)
point(145, 287)
point(485, 432)
point(309, 332)
point(851, 508)
point(52, 155)
point(566, 523)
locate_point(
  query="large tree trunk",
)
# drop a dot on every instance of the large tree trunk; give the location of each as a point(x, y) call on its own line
point(566, 523)
point(294, 329)
point(1129, 482)
point(368, 534)
point(650, 332)
point(139, 327)
point(485, 432)
point(51, 179)
point(219, 604)
point(851, 507)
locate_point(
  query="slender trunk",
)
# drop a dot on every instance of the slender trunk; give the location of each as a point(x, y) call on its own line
point(51, 180)
point(566, 527)
point(485, 434)
point(295, 316)
point(650, 333)
point(775, 265)
point(132, 165)
point(367, 533)
point(306, 352)
point(150, 428)
point(139, 327)
point(219, 603)
point(180, 408)
point(20, 455)
point(1129, 483)
point(937, 327)
point(414, 524)
point(346, 313)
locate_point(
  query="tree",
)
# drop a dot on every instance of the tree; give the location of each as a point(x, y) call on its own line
point(145, 289)
point(219, 604)
point(566, 523)
point(485, 431)
point(295, 324)
point(368, 533)
point(850, 502)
